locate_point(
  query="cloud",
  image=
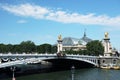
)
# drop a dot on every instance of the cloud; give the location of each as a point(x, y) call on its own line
point(38, 12)
point(21, 21)
point(27, 10)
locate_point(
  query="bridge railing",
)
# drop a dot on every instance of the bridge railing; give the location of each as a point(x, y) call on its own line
point(27, 54)
point(68, 55)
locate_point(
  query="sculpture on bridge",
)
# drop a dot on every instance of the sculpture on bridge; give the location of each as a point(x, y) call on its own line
point(59, 37)
point(106, 34)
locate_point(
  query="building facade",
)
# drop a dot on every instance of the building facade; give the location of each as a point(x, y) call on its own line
point(75, 44)
point(70, 43)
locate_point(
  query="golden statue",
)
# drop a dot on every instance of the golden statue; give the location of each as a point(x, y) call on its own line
point(59, 37)
point(106, 34)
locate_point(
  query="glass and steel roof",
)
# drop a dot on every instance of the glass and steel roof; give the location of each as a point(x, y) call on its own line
point(70, 41)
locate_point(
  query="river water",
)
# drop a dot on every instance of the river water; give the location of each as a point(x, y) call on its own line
point(81, 74)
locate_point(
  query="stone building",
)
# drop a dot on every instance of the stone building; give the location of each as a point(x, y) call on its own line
point(75, 44)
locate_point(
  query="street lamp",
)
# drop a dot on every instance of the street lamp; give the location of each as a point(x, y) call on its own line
point(13, 70)
point(72, 72)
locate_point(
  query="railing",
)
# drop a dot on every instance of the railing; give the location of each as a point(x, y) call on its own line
point(55, 54)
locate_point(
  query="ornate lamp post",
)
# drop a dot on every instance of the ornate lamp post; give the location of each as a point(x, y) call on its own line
point(72, 72)
point(13, 70)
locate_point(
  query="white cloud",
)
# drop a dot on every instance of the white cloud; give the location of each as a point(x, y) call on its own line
point(21, 21)
point(38, 12)
point(26, 10)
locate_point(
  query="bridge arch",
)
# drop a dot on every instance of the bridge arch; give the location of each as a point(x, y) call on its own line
point(67, 63)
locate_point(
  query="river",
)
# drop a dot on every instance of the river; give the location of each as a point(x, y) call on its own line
point(81, 74)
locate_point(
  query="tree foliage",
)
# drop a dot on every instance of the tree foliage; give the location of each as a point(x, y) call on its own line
point(28, 47)
point(44, 48)
point(95, 48)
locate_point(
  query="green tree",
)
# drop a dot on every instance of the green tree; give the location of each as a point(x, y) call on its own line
point(16, 49)
point(44, 48)
point(54, 49)
point(40, 49)
point(6, 48)
point(9, 48)
point(27, 47)
point(3, 48)
point(95, 48)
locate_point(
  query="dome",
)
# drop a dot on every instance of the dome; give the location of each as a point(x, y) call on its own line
point(82, 42)
point(85, 38)
point(69, 41)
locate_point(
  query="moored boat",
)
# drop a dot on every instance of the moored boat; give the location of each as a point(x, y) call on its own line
point(111, 66)
point(105, 67)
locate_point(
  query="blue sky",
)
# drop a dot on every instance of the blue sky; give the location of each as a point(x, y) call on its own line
point(41, 21)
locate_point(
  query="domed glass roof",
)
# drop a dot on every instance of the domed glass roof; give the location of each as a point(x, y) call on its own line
point(86, 39)
point(81, 42)
point(69, 41)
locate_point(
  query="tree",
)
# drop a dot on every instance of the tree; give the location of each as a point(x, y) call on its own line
point(95, 48)
point(84, 52)
point(9, 47)
point(40, 49)
point(27, 47)
point(44, 48)
point(3, 48)
point(54, 49)
point(16, 49)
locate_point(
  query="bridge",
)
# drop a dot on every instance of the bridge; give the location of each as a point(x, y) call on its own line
point(7, 60)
